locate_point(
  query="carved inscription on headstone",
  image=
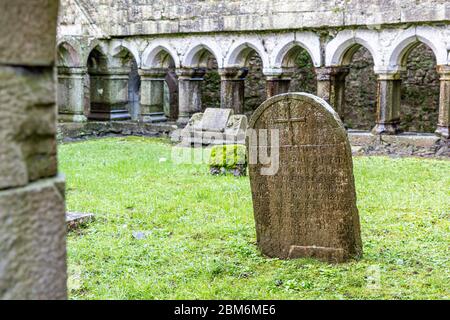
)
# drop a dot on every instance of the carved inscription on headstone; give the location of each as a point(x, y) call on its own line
point(307, 208)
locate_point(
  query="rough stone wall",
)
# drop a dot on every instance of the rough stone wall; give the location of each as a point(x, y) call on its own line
point(32, 212)
point(361, 92)
point(255, 85)
point(211, 85)
point(125, 17)
point(304, 78)
point(420, 92)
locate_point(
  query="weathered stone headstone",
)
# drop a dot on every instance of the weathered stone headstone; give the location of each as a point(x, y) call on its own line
point(307, 207)
point(214, 126)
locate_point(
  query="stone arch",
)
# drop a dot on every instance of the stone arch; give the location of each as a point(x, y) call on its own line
point(341, 49)
point(97, 62)
point(125, 56)
point(252, 56)
point(283, 54)
point(296, 62)
point(197, 56)
point(124, 52)
point(360, 96)
point(68, 54)
point(97, 58)
point(356, 83)
point(99, 47)
point(420, 89)
point(410, 39)
point(240, 53)
point(160, 56)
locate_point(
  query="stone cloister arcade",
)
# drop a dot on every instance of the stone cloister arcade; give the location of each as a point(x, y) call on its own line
point(102, 79)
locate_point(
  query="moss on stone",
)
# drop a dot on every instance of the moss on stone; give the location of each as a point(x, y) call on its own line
point(228, 156)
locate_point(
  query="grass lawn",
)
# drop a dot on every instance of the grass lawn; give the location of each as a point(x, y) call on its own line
point(171, 231)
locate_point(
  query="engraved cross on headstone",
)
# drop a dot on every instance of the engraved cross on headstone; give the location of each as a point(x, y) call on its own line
point(290, 121)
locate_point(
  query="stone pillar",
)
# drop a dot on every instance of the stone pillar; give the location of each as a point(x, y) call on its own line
point(152, 95)
point(443, 127)
point(277, 84)
point(232, 89)
point(189, 94)
point(388, 103)
point(331, 86)
point(71, 94)
point(172, 84)
point(109, 94)
point(32, 206)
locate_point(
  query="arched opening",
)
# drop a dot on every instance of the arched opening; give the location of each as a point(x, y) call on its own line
point(298, 63)
point(420, 89)
point(70, 85)
point(160, 59)
point(95, 84)
point(210, 86)
point(128, 62)
point(255, 82)
point(360, 99)
point(67, 56)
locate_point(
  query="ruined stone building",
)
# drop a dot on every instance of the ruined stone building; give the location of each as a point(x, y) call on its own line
point(383, 65)
point(153, 60)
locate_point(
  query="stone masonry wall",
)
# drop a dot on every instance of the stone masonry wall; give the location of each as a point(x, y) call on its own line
point(361, 92)
point(420, 92)
point(32, 211)
point(132, 17)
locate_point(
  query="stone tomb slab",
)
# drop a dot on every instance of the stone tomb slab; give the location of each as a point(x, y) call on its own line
point(215, 126)
point(307, 208)
point(214, 120)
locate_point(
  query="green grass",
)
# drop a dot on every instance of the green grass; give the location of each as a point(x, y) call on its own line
point(200, 238)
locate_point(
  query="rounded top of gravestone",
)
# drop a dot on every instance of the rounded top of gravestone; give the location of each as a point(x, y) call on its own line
point(301, 98)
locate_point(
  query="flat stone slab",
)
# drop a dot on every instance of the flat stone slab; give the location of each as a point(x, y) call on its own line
point(214, 119)
point(75, 220)
point(214, 127)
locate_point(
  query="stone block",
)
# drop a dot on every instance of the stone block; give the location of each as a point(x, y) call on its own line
point(416, 140)
point(18, 26)
point(214, 127)
point(27, 125)
point(33, 241)
point(76, 220)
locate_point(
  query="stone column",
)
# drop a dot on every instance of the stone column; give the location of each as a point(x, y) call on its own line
point(71, 94)
point(388, 103)
point(152, 95)
point(277, 84)
point(172, 84)
point(232, 89)
point(109, 94)
point(189, 94)
point(331, 86)
point(32, 206)
point(443, 127)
